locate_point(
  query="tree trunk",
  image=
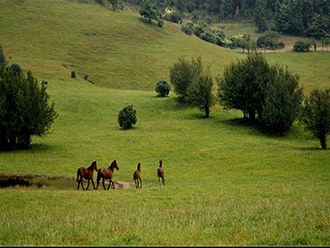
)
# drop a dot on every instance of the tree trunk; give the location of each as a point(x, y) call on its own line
point(207, 111)
point(323, 143)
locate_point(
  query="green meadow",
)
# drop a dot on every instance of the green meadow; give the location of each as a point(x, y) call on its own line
point(227, 183)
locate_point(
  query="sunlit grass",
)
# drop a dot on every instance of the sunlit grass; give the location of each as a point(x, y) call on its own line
point(226, 183)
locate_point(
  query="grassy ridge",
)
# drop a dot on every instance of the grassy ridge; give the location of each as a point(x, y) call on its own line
point(226, 184)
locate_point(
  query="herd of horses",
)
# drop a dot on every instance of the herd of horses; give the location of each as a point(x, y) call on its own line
point(107, 173)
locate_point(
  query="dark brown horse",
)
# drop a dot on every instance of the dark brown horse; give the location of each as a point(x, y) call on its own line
point(137, 177)
point(160, 172)
point(106, 173)
point(86, 173)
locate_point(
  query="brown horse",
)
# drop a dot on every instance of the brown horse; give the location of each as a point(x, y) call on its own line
point(106, 173)
point(86, 173)
point(160, 172)
point(137, 177)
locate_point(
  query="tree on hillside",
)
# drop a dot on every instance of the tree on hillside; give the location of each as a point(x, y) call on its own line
point(24, 110)
point(259, 89)
point(315, 114)
point(260, 16)
point(150, 11)
point(200, 93)
point(183, 73)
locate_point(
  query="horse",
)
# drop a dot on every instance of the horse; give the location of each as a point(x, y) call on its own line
point(106, 173)
point(137, 177)
point(86, 173)
point(160, 172)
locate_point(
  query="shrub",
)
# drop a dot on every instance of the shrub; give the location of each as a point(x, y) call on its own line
point(301, 46)
point(16, 69)
point(188, 28)
point(127, 117)
point(73, 74)
point(163, 88)
point(269, 40)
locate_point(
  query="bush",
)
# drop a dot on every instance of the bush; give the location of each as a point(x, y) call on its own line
point(16, 69)
point(188, 28)
point(269, 40)
point(24, 110)
point(163, 88)
point(127, 117)
point(301, 46)
point(73, 74)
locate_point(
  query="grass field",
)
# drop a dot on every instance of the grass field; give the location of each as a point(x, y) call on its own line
point(226, 183)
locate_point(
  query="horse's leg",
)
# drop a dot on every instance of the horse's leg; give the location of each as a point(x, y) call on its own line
point(159, 181)
point(109, 184)
point(87, 184)
point(93, 184)
point(82, 185)
point(78, 185)
point(113, 184)
point(141, 182)
point(103, 183)
point(163, 180)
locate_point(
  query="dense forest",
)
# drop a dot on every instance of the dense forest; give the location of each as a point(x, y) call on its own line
point(299, 17)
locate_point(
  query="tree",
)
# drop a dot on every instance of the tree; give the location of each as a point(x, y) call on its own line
point(260, 16)
point(127, 117)
point(242, 85)
point(24, 110)
point(114, 3)
point(200, 93)
point(183, 73)
point(301, 46)
point(257, 88)
point(163, 88)
point(315, 114)
point(283, 97)
point(149, 11)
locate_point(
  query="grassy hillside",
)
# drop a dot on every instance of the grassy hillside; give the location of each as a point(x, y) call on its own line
point(226, 183)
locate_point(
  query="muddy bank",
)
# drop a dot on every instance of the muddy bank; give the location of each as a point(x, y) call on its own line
point(55, 182)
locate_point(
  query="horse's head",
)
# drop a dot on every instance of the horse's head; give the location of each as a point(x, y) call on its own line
point(114, 163)
point(94, 166)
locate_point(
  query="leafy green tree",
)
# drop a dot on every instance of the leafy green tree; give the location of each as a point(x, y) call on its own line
point(283, 97)
point(150, 11)
point(260, 16)
point(315, 114)
point(127, 117)
point(183, 73)
point(243, 84)
point(257, 88)
point(163, 88)
point(24, 110)
point(200, 93)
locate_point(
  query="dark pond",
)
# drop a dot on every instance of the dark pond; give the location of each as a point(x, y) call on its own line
point(42, 181)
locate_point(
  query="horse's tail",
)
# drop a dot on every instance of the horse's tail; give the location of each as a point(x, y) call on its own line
point(78, 174)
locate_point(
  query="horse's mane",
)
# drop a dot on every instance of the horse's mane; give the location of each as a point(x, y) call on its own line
point(92, 166)
point(112, 165)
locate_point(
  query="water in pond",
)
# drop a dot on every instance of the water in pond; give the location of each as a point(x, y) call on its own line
point(42, 181)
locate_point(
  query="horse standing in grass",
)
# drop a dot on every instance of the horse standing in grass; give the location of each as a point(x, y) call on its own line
point(86, 173)
point(106, 173)
point(137, 177)
point(160, 172)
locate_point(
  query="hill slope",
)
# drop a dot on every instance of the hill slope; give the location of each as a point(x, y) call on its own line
point(116, 49)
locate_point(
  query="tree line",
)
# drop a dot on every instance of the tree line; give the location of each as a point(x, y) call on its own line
point(268, 95)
